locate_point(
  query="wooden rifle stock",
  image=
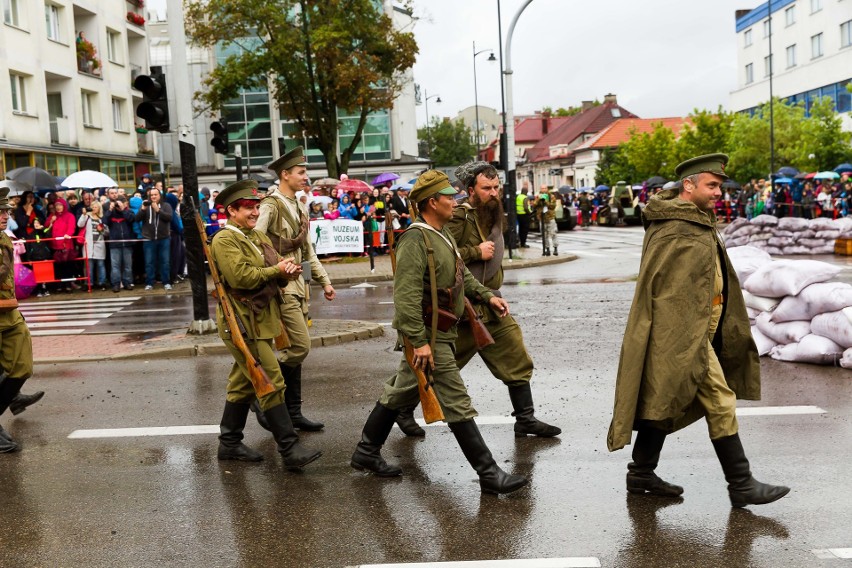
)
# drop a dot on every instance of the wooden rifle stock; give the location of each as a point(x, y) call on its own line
point(428, 401)
point(481, 336)
point(259, 379)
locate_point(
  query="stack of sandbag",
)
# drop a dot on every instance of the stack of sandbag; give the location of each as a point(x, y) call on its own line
point(788, 235)
point(795, 312)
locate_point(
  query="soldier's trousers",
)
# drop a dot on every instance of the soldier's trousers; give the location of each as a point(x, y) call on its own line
point(294, 314)
point(240, 388)
point(401, 389)
point(507, 359)
point(16, 347)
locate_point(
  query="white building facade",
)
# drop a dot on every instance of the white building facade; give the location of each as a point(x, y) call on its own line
point(811, 54)
point(66, 96)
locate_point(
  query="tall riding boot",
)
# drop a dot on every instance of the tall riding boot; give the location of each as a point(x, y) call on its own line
point(555, 250)
point(296, 456)
point(293, 399)
point(406, 422)
point(492, 479)
point(9, 389)
point(368, 454)
point(258, 413)
point(743, 489)
point(525, 421)
point(231, 445)
point(646, 455)
point(22, 401)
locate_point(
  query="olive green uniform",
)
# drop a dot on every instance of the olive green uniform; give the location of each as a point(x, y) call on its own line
point(282, 216)
point(16, 346)
point(507, 358)
point(410, 280)
point(237, 254)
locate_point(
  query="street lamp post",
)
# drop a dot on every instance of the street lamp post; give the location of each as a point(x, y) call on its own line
point(428, 129)
point(475, 94)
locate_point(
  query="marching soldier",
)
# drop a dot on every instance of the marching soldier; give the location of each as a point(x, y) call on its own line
point(285, 221)
point(477, 226)
point(252, 272)
point(16, 346)
point(429, 261)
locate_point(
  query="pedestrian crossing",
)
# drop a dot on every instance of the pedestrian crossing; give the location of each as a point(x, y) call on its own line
point(71, 317)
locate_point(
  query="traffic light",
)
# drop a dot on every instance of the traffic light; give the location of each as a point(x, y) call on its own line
point(220, 136)
point(154, 107)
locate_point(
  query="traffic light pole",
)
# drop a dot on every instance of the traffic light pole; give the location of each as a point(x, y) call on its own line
point(189, 175)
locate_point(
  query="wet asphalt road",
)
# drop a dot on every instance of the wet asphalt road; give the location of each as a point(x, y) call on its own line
point(143, 501)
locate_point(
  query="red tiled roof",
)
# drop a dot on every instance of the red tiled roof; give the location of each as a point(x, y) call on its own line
point(590, 121)
point(620, 131)
point(529, 129)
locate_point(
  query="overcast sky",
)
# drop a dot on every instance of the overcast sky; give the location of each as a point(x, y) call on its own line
point(660, 57)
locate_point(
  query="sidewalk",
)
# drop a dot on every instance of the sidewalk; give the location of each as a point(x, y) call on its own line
point(177, 343)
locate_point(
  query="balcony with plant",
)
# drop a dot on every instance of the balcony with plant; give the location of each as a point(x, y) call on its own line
point(87, 56)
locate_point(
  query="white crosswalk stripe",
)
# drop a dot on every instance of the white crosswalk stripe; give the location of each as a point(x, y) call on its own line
point(70, 317)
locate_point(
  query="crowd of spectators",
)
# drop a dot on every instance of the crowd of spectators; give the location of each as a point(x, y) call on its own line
point(806, 198)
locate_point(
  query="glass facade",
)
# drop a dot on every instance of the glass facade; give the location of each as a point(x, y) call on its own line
point(57, 165)
point(837, 92)
point(122, 171)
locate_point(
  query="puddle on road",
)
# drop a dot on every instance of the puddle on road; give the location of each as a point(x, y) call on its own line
point(143, 336)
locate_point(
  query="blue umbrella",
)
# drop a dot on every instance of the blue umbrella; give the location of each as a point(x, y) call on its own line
point(600, 188)
point(827, 175)
point(787, 171)
point(843, 169)
point(783, 180)
point(405, 186)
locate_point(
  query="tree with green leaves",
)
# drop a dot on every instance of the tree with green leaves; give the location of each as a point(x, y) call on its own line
point(447, 143)
point(319, 60)
point(614, 166)
point(706, 132)
point(822, 137)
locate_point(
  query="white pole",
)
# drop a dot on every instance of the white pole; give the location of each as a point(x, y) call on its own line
point(510, 117)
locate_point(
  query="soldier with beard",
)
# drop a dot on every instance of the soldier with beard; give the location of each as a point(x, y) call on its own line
point(478, 225)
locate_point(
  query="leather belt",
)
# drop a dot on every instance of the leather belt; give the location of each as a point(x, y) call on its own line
point(718, 300)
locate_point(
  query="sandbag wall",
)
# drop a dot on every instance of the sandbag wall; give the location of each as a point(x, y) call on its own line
point(788, 235)
point(796, 312)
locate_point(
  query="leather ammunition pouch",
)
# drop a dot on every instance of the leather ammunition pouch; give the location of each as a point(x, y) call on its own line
point(258, 300)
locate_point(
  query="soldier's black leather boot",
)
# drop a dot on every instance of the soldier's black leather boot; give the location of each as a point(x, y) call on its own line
point(22, 401)
point(296, 456)
point(525, 421)
point(492, 479)
point(258, 413)
point(7, 444)
point(293, 399)
point(9, 389)
point(646, 455)
point(743, 489)
point(409, 426)
point(231, 427)
point(368, 456)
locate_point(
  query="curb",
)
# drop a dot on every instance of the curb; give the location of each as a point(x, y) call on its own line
point(365, 330)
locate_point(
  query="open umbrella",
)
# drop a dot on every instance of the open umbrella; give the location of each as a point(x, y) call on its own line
point(25, 281)
point(787, 171)
point(827, 175)
point(784, 180)
point(731, 184)
point(349, 184)
point(15, 187)
point(33, 177)
point(656, 181)
point(803, 175)
point(843, 169)
point(810, 175)
point(325, 183)
point(89, 179)
point(405, 186)
point(384, 177)
point(601, 188)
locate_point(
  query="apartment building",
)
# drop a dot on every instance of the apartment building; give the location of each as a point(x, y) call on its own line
point(67, 101)
point(811, 54)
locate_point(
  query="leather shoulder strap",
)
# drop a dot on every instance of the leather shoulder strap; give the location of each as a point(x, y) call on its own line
point(433, 285)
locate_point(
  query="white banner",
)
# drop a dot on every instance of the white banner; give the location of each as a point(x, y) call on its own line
point(340, 235)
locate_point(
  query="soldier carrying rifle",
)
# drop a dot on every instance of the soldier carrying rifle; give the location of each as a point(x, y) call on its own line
point(430, 285)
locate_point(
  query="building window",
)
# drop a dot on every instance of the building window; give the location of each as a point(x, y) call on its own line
point(816, 46)
point(846, 34)
point(89, 100)
point(790, 15)
point(52, 20)
point(118, 114)
point(10, 12)
point(747, 39)
point(61, 166)
point(844, 97)
point(767, 28)
point(749, 73)
point(19, 92)
point(114, 46)
point(121, 171)
point(791, 56)
point(816, 6)
point(767, 66)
